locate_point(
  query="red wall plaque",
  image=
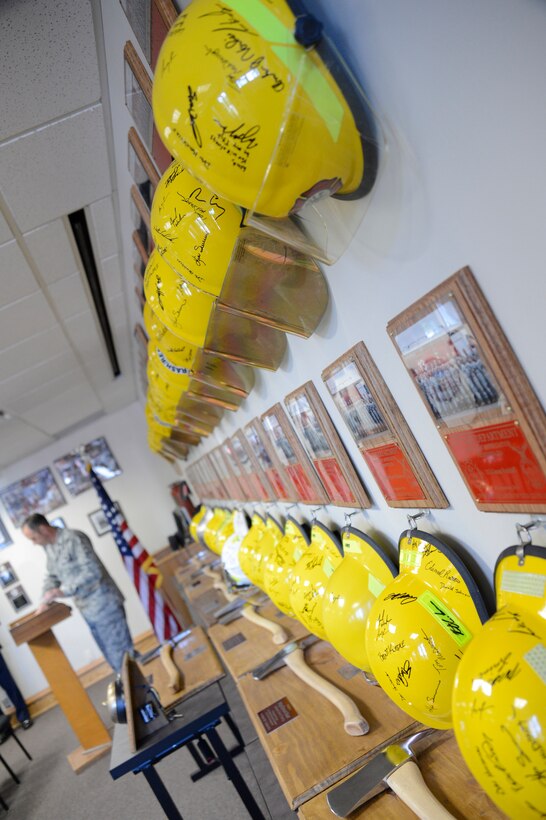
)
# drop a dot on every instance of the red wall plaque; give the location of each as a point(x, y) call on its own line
point(392, 471)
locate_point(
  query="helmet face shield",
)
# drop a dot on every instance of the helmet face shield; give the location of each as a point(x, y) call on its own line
point(260, 119)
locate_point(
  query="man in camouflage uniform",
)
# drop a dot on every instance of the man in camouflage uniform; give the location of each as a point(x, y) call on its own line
point(74, 570)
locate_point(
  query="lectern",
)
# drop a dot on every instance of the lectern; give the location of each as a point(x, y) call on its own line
point(36, 630)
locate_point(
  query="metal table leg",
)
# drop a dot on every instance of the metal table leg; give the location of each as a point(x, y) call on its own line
point(164, 798)
point(234, 774)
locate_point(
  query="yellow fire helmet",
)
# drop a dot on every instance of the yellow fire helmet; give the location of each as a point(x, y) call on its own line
point(258, 549)
point(212, 527)
point(254, 100)
point(499, 696)
point(281, 561)
point(310, 578)
point(195, 521)
point(195, 317)
point(230, 550)
point(364, 572)
point(249, 542)
point(420, 625)
point(251, 273)
point(224, 531)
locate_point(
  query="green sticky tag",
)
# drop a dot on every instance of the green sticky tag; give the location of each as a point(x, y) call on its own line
point(297, 554)
point(536, 658)
point(374, 585)
point(445, 618)
point(523, 583)
point(327, 567)
point(410, 558)
point(350, 545)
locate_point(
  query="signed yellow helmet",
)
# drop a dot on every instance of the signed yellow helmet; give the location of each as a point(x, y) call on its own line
point(277, 577)
point(419, 627)
point(258, 547)
point(499, 711)
point(248, 95)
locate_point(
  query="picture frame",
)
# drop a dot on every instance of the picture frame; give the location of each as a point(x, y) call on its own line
point(477, 394)
point(138, 99)
point(8, 576)
point(380, 431)
point(98, 519)
point(266, 457)
point(5, 538)
point(141, 168)
point(37, 493)
point(240, 490)
point(226, 478)
point(57, 522)
point(324, 448)
point(17, 597)
point(293, 457)
point(72, 467)
point(150, 21)
point(258, 487)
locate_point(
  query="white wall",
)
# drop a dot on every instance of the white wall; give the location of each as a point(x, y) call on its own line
point(460, 88)
point(143, 493)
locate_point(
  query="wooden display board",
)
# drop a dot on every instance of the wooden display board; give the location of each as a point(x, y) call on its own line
point(302, 732)
point(324, 447)
point(227, 478)
point(259, 488)
point(245, 492)
point(267, 459)
point(142, 170)
point(293, 457)
point(476, 391)
point(381, 432)
point(447, 776)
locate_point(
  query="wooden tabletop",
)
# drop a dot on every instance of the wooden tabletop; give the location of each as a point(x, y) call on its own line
point(447, 776)
point(312, 750)
point(197, 661)
point(242, 645)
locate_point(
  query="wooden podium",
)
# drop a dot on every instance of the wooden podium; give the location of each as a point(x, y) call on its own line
point(35, 629)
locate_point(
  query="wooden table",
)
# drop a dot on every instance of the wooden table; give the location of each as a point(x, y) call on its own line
point(36, 630)
point(243, 645)
point(311, 751)
point(197, 661)
point(447, 776)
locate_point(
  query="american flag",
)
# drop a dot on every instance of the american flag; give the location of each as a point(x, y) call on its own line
point(146, 576)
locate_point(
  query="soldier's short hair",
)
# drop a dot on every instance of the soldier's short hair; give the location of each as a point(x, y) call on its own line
point(35, 521)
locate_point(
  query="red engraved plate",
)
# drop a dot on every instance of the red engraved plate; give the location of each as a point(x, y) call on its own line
point(392, 471)
point(498, 464)
point(276, 482)
point(258, 490)
point(300, 482)
point(334, 480)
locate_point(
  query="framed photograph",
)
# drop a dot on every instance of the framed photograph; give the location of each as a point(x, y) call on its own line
point(17, 597)
point(257, 484)
point(240, 491)
point(5, 539)
point(138, 98)
point(141, 168)
point(8, 576)
point(101, 525)
point(477, 393)
point(150, 21)
point(225, 476)
point(266, 458)
point(324, 447)
point(37, 493)
point(73, 466)
point(57, 522)
point(293, 457)
point(381, 432)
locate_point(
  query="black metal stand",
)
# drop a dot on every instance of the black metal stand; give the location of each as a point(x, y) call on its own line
point(163, 796)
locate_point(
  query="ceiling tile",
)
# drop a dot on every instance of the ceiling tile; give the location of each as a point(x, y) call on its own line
point(40, 374)
point(111, 277)
point(57, 169)
point(32, 351)
point(84, 334)
point(25, 403)
point(51, 250)
point(65, 409)
point(69, 296)
point(103, 227)
point(16, 277)
point(18, 440)
point(45, 73)
point(5, 232)
point(25, 318)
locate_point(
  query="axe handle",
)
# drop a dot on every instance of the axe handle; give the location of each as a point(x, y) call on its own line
point(279, 635)
point(354, 723)
point(407, 782)
point(210, 573)
point(175, 677)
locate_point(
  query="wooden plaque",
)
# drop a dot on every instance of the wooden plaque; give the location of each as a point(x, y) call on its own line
point(324, 447)
point(265, 456)
point(150, 21)
point(477, 393)
point(244, 489)
point(213, 479)
point(227, 478)
point(258, 485)
point(141, 168)
point(381, 432)
point(293, 457)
